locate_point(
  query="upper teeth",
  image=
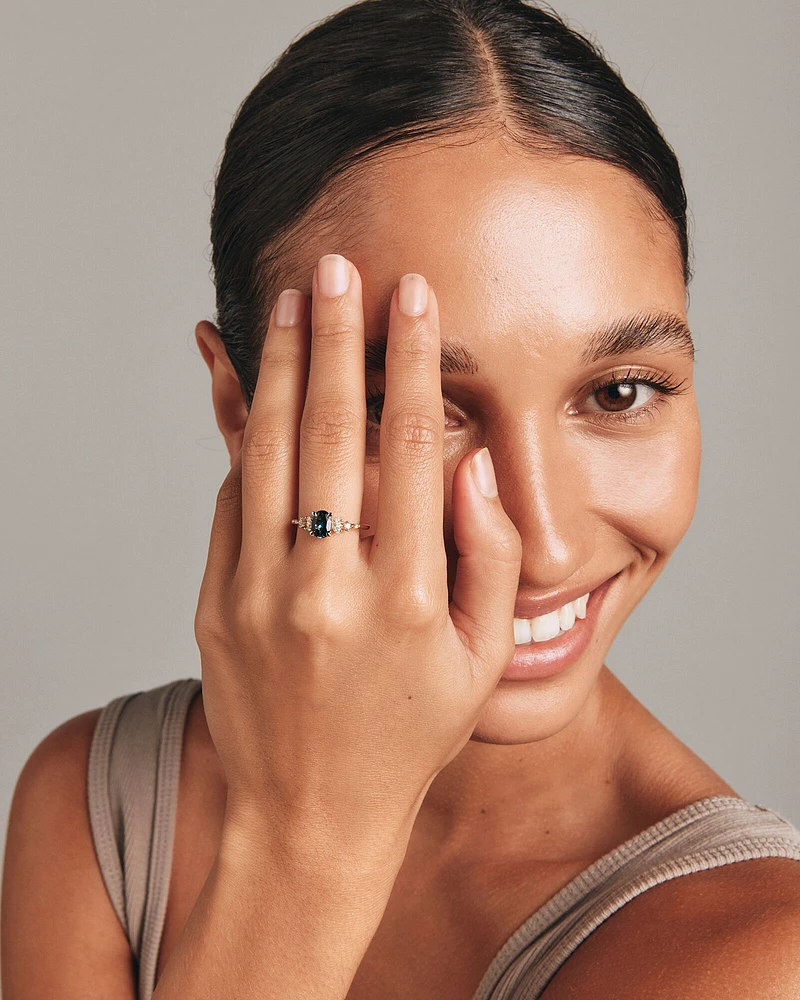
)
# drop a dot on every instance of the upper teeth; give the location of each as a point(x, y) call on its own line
point(550, 625)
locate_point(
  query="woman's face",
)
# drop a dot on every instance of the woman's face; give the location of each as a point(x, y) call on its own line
point(530, 257)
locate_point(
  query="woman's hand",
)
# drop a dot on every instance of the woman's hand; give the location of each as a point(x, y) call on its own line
point(337, 679)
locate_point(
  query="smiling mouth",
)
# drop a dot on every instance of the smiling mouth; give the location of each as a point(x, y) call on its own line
point(551, 625)
point(545, 648)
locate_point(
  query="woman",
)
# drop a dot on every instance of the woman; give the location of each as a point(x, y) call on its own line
point(409, 772)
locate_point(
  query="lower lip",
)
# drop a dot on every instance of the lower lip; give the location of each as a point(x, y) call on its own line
point(544, 659)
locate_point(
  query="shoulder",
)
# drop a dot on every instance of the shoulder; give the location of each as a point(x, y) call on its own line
point(54, 901)
point(724, 933)
point(49, 804)
point(55, 771)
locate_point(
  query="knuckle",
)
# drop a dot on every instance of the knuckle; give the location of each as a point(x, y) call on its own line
point(264, 444)
point(413, 350)
point(505, 547)
point(416, 429)
point(414, 601)
point(332, 328)
point(211, 630)
point(279, 355)
point(329, 424)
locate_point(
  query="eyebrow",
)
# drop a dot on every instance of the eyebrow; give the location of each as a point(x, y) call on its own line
point(658, 330)
point(655, 330)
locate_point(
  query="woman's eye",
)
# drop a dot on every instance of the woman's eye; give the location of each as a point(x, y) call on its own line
point(616, 396)
point(375, 408)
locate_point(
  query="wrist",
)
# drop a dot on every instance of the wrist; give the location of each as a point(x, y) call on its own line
point(321, 862)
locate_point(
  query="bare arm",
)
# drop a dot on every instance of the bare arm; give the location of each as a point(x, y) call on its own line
point(59, 935)
point(279, 922)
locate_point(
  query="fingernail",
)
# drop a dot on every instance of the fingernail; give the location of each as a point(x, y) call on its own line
point(290, 308)
point(412, 296)
point(483, 473)
point(333, 275)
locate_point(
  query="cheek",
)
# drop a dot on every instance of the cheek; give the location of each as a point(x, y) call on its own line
point(646, 487)
point(369, 505)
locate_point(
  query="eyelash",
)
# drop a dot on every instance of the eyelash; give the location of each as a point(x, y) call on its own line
point(665, 387)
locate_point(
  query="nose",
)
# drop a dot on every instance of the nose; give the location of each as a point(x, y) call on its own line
point(546, 493)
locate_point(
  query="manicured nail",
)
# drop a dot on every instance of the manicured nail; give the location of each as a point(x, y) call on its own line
point(412, 296)
point(291, 307)
point(333, 275)
point(483, 473)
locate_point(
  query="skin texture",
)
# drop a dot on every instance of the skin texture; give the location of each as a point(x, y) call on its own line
point(527, 254)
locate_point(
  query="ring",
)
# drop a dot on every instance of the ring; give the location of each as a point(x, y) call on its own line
point(321, 524)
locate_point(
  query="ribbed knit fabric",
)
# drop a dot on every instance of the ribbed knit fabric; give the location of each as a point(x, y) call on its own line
point(133, 771)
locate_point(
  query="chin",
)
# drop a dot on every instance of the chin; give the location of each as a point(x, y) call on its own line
point(530, 711)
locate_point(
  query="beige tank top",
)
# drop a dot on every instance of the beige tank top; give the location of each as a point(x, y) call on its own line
point(133, 772)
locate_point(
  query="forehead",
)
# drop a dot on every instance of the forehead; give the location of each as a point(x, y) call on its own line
point(523, 238)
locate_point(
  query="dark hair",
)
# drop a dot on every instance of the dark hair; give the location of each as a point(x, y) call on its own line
point(383, 72)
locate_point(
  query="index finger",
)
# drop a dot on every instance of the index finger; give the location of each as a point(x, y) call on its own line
point(270, 444)
point(411, 489)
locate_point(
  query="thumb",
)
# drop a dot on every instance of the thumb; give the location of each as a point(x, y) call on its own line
point(487, 573)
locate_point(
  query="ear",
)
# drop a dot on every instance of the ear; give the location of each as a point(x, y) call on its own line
point(226, 391)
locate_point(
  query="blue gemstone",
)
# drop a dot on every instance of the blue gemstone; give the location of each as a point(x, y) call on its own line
point(320, 523)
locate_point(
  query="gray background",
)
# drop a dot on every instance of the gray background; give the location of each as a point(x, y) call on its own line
point(114, 117)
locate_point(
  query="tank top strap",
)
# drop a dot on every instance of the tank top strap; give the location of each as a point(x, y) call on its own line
point(132, 789)
point(710, 832)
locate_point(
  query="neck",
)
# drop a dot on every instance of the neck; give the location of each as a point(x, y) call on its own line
point(502, 799)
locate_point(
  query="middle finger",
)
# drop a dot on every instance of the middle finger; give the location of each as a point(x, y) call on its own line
point(333, 425)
